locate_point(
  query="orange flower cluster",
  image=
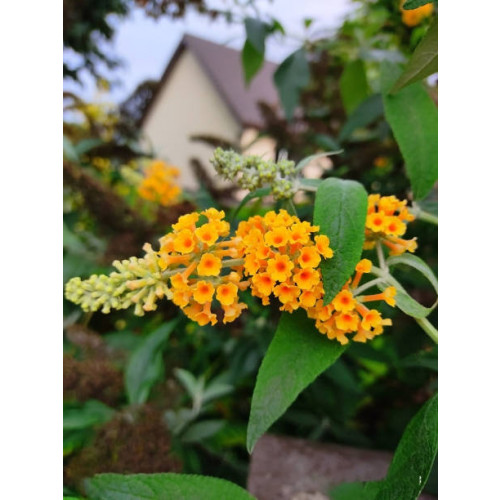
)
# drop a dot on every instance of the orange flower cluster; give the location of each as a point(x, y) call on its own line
point(201, 268)
point(159, 185)
point(415, 16)
point(282, 259)
point(385, 222)
point(347, 313)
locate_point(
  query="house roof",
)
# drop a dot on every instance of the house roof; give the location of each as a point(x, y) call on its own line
point(223, 67)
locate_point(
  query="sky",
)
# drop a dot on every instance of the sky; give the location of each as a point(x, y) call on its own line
point(145, 45)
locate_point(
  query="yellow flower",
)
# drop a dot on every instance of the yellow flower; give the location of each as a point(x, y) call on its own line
point(344, 301)
point(233, 311)
point(376, 222)
point(286, 293)
point(158, 184)
point(203, 292)
point(227, 294)
point(364, 266)
point(277, 237)
point(381, 161)
point(263, 283)
point(306, 278)
point(308, 299)
point(309, 257)
point(386, 223)
point(184, 242)
point(415, 16)
point(371, 319)
point(280, 268)
point(186, 221)
point(323, 246)
point(347, 321)
point(209, 265)
point(299, 233)
point(207, 234)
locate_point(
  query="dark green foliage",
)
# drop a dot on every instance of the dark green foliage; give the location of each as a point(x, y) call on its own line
point(340, 212)
point(163, 487)
point(296, 356)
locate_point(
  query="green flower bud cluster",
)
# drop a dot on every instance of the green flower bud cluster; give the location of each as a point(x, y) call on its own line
point(138, 281)
point(252, 172)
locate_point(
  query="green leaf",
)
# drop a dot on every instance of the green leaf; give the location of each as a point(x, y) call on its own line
point(340, 212)
point(412, 462)
point(412, 115)
point(365, 114)
point(202, 430)
point(326, 142)
point(256, 32)
point(291, 76)
point(415, 4)
point(90, 414)
point(193, 385)
point(74, 440)
point(355, 491)
point(423, 62)
point(87, 144)
point(354, 88)
point(252, 55)
point(145, 365)
point(302, 163)
point(162, 487)
point(410, 466)
point(72, 242)
point(296, 356)
point(417, 263)
point(251, 60)
point(69, 151)
point(406, 303)
point(215, 391)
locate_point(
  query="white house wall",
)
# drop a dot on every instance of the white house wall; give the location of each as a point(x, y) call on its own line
point(188, 104)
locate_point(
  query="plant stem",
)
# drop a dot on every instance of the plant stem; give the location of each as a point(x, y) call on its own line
point(291, 204)
point(428, 328)
point(381, 258)
point(225, 263)
point(367, 285)
point(423, 215)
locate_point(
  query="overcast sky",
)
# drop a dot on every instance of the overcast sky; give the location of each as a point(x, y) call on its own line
point(146, 45)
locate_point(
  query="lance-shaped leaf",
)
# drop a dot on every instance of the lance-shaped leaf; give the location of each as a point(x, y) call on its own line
point(423, 62)
point(365, 114)
point(354, 88)
point(290, 78)
point(340, 212)
point(297, 355)
point(412, 115)
point(252, 55)
point(162, 487)
point(145, 365)
point(410, 466)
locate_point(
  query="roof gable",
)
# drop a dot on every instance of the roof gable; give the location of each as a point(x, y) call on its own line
point(223, 67)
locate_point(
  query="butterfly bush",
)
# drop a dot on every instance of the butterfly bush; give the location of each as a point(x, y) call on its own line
point(203, 268)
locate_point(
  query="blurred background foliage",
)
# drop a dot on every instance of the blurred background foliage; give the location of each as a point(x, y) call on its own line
point(159, 393)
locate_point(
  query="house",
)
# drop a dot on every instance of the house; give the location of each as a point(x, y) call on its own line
point(202, 92)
